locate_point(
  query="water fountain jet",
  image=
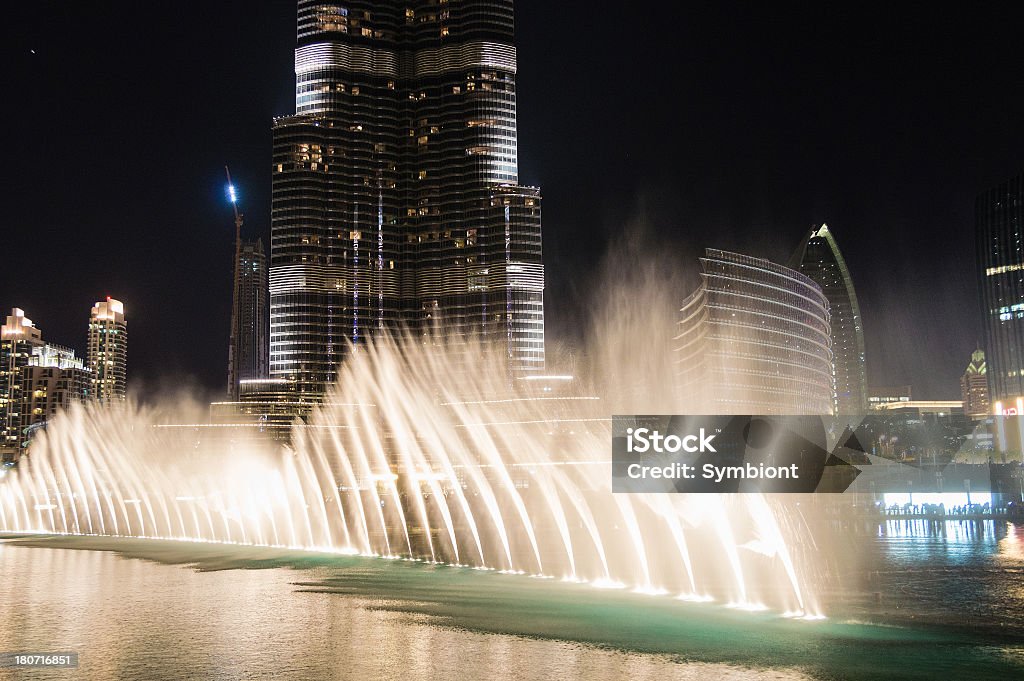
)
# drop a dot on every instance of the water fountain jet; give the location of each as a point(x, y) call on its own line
point(424, 454)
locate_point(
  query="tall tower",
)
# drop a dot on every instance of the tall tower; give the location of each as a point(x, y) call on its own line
point(818, 258)
point(248, 358)
point(18, 338)
point(396, 201)
point(108, 350)
point(999, 228)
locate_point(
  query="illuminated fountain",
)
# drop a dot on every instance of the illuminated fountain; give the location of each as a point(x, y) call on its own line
point(434, 453)
point(414, 455)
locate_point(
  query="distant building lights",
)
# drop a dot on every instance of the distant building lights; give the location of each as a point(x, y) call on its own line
point(993, 271)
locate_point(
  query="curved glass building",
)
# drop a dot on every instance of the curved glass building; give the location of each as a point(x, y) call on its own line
point(396, 201)
point(754, 339)
point(818, 258)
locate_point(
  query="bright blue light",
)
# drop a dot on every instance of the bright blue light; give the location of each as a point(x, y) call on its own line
point(231, 193)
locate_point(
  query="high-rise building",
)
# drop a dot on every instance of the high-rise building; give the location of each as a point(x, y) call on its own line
point(396, 201)
point(248, 355)
point(18, 337)
point(999, 240)
point(974, 387)
point(36, 380)
point(108, 350)
point(818, 258)
point(754, 339)
point(53, 379)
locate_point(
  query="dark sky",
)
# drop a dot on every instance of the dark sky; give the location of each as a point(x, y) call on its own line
point(728, 125)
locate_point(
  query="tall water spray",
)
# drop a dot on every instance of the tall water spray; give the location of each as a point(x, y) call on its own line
point(431, 451)
point(418, 452)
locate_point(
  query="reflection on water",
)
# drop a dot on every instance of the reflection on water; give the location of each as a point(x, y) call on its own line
point(326, 616)
point(970, 536)
point(134, 619)
point(968, 573)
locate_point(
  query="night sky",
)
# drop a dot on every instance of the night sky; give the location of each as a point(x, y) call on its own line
point(709, 124)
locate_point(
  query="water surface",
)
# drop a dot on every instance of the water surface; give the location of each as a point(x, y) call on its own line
point(167, 610)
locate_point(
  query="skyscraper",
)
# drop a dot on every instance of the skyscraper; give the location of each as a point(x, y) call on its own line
point(108, 350)
point(818, 257)
point(974, 386)
point(53, 379)
point(248, 356)
point(18, 337)
point(36, 380)
point(999, 227)
point(754, 339)
point(396, 201)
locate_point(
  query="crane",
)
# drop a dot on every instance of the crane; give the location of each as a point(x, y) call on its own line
point(233, 195)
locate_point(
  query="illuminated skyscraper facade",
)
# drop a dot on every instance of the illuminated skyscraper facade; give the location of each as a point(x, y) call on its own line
point(37, 379)
point(18, 338)
point(818, 258)
point(396, 201)
point(999, 229)
point(974, 387)
point(754, 339)
point(248, 356)
point(53, 379)
point(108, 351)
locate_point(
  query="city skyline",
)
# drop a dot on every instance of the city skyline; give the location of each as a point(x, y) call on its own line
point(891, 191)
point(748, 403)
point(39, 378)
